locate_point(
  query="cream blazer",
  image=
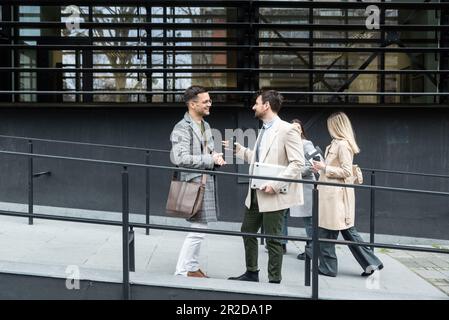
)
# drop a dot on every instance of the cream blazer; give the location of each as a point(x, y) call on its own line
point(337, 204)
point(283, 147)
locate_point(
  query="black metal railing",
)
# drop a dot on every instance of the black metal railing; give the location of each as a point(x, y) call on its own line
point(372, 172)
point(148, 151)
point(246, 39)
point(127, 232)
point(246, 3)
point(32, 175)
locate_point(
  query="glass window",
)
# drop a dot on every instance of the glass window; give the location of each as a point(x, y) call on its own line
point(302, 51)
point(27, 80)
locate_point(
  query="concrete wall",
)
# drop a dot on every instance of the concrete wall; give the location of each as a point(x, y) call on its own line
point(30, 288)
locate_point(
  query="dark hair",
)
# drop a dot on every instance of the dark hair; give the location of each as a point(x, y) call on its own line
point(192, 92)
point(273, 97)
point(303, 133)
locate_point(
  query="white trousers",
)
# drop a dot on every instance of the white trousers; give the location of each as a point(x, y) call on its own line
point(190, 251)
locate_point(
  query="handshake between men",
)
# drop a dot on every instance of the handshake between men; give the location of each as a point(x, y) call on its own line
point(193, 147)
point(218, 159)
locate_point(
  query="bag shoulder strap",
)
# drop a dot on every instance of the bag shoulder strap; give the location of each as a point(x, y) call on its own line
point(203, 151)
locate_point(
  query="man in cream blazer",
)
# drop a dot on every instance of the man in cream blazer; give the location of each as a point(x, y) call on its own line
point(278, 143)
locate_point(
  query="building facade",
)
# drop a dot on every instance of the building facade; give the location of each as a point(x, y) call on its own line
point(93, 72)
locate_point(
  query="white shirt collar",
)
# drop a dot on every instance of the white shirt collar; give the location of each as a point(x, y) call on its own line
point(268, 125)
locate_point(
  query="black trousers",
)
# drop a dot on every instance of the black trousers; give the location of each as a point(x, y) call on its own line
point(328, 258)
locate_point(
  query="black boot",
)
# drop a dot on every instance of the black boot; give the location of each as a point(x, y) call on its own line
point(301, 256)
point(370, 270)
point(247, 276)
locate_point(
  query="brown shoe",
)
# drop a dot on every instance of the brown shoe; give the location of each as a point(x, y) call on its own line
point(197, 274)
point(201, 271)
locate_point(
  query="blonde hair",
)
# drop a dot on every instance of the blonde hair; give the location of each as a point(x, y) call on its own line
point(340, 127)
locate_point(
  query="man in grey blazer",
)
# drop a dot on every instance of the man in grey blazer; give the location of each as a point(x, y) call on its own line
point(193, 147)
point(278, 143)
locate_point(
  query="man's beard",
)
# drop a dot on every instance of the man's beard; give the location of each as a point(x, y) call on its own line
point(202, 112)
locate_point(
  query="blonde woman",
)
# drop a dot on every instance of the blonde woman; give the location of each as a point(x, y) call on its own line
point(337, 204)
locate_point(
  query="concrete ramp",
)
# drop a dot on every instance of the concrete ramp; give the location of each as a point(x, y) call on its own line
point(36, 260)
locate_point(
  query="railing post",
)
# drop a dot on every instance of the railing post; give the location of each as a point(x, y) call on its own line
point(125, 236)
point(132, 251)
point(147, 192)
point(306, 269)
point(372, 209)
point(30, 183)
point(262, 239)
point(315, 243)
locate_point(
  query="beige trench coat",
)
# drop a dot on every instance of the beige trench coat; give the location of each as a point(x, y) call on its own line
point(283, 147)
point(337, 204)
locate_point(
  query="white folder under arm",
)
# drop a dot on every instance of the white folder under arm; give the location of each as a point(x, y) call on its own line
point(267, 170)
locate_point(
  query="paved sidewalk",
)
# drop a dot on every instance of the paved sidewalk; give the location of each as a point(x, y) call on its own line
point(48, 247)
point(434, 268)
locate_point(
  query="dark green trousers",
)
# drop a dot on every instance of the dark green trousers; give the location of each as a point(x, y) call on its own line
point(272, 224)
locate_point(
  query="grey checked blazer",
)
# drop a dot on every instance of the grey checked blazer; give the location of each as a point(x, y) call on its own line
point(186, 139)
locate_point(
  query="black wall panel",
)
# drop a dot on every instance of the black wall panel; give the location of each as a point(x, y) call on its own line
point(398, 139)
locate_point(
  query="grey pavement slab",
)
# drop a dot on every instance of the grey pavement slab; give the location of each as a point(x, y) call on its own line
point(445, 289)
point(430, 274)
